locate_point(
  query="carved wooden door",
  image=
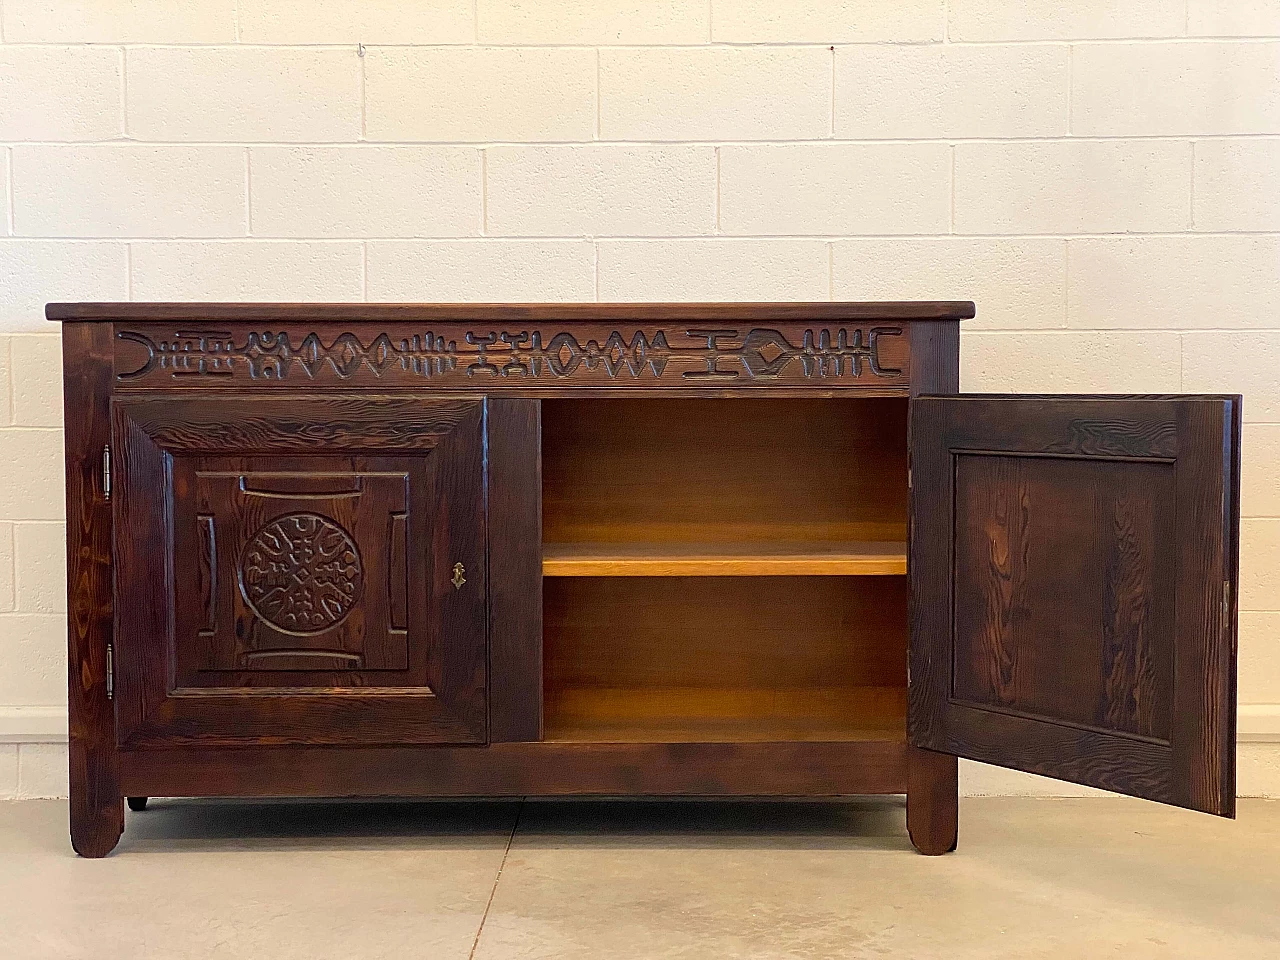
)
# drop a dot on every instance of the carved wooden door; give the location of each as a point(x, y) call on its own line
point(299, 570)
point(1073, 572)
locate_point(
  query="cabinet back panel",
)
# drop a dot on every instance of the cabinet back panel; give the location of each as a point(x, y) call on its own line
point(711, 470)
point(801, 657)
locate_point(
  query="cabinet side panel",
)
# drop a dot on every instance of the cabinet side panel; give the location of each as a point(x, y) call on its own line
point(933, 785)
point(97, 811)
point(515, 570)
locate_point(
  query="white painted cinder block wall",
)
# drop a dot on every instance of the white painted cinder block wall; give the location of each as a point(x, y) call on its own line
point(1101, 176)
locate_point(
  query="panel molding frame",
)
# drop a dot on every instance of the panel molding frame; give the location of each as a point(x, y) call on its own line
point(1161, 445)
point(155, 711)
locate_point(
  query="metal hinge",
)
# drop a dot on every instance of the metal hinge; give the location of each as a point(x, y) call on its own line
point(106, 473)
point(111, 674)
point(1226, 604)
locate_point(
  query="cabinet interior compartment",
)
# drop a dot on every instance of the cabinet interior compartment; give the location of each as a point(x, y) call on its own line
point(747, 477)
point(724, 569)
point(724, 658)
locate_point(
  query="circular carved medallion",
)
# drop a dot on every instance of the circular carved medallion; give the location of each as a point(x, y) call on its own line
point(301, 573)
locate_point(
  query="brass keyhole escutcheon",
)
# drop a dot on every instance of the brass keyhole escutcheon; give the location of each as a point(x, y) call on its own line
point(458, 578)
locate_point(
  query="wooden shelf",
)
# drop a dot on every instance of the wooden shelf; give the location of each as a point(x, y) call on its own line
point(708, 715)
point(791, 558)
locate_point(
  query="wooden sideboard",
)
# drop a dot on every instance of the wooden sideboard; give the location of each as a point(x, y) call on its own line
point(755, 550)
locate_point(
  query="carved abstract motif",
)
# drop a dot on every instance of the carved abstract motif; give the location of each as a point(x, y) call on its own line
point(301, 573)
point(712, 354)
point(208, 572)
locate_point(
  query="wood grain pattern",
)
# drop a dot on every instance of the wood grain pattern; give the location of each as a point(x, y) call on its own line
point(1204, 743)
point(761, 559)
point(514, 431)
point(812, 769)
point(1144, 433)
point(463, 357)
point(935, 358)
point(1070, 563)
point(1064, 590)
point(96, 805)
point(305, 647)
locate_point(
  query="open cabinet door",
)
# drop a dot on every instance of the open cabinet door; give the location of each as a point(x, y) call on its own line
point(1073, 580)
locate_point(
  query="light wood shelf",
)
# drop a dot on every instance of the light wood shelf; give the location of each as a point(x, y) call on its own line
point(683, 715)
point(763, 559)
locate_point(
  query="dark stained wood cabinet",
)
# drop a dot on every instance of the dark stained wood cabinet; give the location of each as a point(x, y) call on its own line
point(609, 549)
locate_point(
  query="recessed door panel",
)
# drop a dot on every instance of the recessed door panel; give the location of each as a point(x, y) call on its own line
point(1063, 596)
point(301, 569)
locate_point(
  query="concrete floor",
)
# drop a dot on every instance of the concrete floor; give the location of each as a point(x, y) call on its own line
point(1085, 878)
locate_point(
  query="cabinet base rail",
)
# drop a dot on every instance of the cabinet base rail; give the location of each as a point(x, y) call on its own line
point(543, 769)
point(819, 768)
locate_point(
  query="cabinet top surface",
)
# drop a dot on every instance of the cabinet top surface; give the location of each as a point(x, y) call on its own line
point(898, 310)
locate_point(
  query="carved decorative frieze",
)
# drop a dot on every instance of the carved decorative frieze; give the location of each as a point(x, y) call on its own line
point(466, 358)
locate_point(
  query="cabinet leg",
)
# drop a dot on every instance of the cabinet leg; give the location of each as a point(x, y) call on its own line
point(933, 800)
point(137, 803)
point(97, 809)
